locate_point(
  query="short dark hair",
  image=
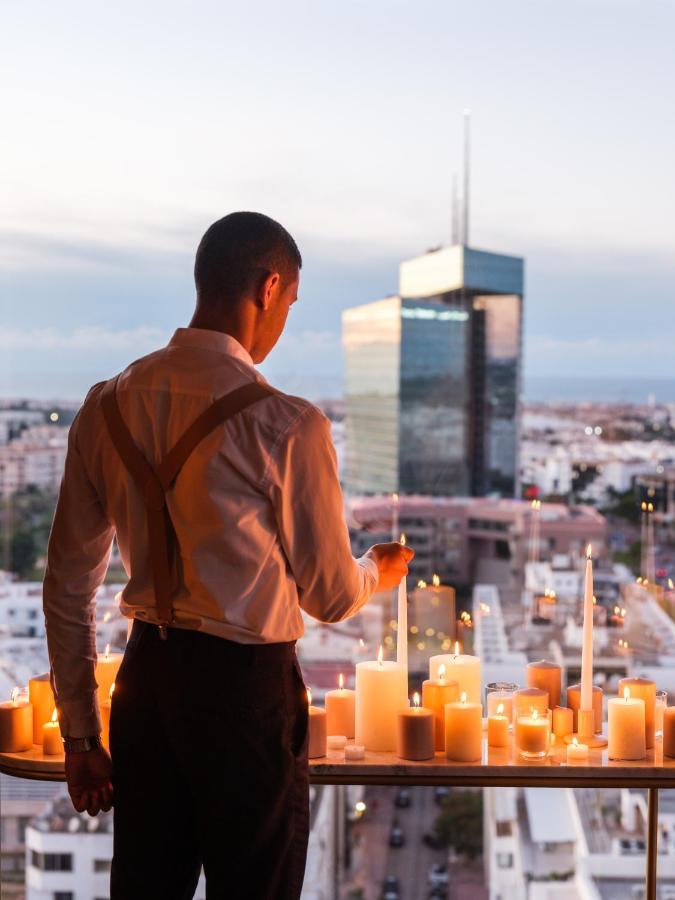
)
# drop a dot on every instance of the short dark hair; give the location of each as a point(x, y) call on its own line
point(236, 251)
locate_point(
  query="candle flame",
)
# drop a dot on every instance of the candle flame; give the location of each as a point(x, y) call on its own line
point(500, 709)
point(589, 552)
point(616, 610)
point(379, 656)
point(112, 688)
point(106, 617)
point(14, 695)
point(55, 717)
point(456, 648)
point(463, 697)
point(402, 540)
point(309, 696)
point(650, 507)
point(535, 713)
point(435, 580)
point(595, 600)
point(575, 741)
point(341, 681)
point(394, 498)
point(626, 693)
point(441, 671)
point(643, 506)
point(421, 583)
point(362, 643)
point(670, 584)
point(107, 651)
point(416, 700)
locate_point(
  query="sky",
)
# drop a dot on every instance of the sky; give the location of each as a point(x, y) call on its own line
point(128, 129)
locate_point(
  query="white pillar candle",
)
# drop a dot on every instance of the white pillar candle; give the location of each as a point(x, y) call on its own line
point(415, 735)
point(107, 667)
point(52, 743)
point(317, 730)
point(464, 730)
point(436, 694)
point(354, 752)
point(577, 752)
point(16, 724)
point(462, 668)
point(587, 645)
point(402, 625)
point(340, 709)
point(381, 692)
point(41, 699)
point(498, 728)
point(626, 727)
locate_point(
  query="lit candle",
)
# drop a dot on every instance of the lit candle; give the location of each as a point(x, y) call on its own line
point(41, 699)
point(464, 730)
point(574, 701)
point(51, 737)
point(643, 689)
point(661, 703)
point(402, 627)
point(16, 723)
point(577, 752)
point(547, 677)
point(317, 729)
point(498, 728)
point(107, 667)
point(340, 709)
point(501, 697)
point(527, 699)
point(669, 731)
point(415, 736)
point(106, 708)
point(462, 668)
point(381, 692)
point(626, 727)
point(532, 735)
point(586, 700)
point(563, 721)
point(436, 694)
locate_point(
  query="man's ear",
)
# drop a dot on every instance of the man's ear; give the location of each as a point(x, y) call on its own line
point(268, 289)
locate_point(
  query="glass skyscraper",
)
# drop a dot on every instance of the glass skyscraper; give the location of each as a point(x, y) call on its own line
point(433, 379)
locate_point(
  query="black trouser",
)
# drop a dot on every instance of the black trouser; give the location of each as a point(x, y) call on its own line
point(209, 747)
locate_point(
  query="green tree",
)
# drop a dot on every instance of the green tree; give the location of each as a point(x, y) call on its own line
point(23, 552)
point(460, 824)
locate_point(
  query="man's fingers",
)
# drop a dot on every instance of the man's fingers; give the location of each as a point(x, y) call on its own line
point(106, 798)
point(79, 800)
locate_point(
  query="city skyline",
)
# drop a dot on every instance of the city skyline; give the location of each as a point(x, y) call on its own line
point(109, 179)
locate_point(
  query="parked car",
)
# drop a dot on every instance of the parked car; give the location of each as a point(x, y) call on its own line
point(396, 837)
point(391, 888)
point(438, 875)
point(402, 800)
point(440, 793)
point(433, 839)
point(440, 892)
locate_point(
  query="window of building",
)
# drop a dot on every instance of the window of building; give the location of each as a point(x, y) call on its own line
point(102, 865)
point(64, 895)
point(505, 860)
point(52, 862)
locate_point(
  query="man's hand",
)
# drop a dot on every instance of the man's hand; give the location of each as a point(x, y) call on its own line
point(88, 776)
point(392, 563)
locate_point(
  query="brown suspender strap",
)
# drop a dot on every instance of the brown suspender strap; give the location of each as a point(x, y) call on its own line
point(153, 484)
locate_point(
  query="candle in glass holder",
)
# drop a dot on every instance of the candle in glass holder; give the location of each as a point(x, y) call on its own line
point(626, 727)
point(562, 721)
point(498, 728)
point(532, 734)
point(574, 702)
point(415, 735)
point(643, 689)
point(42, 700)
point(317, 729)
point(464, 730)
point(577, 752)
point(547, 677)
point(381, 692)
point(527, 699)
point(107, 667)
point(459, 667)
point(16, 723)
point(500, 693)
point(340, 710)
point(52, 743)
point(436, 694)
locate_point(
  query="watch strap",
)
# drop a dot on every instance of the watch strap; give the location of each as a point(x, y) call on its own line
point(82, 744)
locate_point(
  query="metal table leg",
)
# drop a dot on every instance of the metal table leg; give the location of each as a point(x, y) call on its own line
point(652, 841)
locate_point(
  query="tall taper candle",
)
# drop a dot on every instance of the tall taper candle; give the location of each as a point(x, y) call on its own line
point(402, 626)
point(587, 647)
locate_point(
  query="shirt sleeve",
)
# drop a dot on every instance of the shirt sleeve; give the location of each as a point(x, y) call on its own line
point(77, 558)
point(306, 493)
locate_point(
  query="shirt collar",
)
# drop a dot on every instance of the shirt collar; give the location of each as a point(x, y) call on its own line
point(205, 339)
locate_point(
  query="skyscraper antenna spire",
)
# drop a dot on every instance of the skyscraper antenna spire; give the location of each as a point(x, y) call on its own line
point(467, 164)
point(454, 235)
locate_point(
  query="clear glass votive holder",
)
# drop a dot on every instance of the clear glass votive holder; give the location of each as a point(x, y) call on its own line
point(533, 735)
point(661, 703)
point(500, 692)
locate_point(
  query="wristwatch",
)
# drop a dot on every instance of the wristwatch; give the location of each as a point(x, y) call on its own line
point(81, 745)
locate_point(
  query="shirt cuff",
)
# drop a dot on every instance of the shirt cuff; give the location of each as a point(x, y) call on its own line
point(79, 718)
point(371, 569)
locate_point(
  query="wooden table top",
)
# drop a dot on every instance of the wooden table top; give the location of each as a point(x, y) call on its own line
point(499, 767)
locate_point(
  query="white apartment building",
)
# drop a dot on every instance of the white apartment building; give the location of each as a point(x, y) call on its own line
point(35, 458)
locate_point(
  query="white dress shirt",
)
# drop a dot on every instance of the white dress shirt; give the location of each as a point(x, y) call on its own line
point(257, 510)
